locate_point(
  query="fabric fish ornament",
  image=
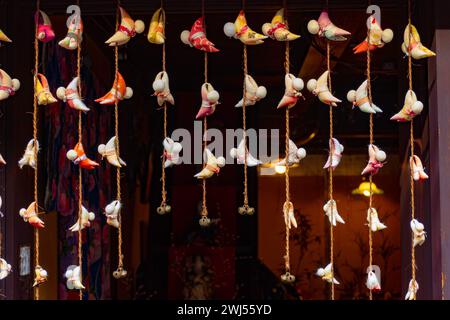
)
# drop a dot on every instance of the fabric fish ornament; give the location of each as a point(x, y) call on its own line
point(73, 276)
point(86, 218)
point(212, 165)
point(78, 157)
point(162, 90)
point(28, 158)
point(377, 37)
point(277, 28)
point(292, 88)
point(360, 99)
point(71, 96)
point(377, 158)
point(8, 86)
point(411, 108)
point(172, 151)
point(31, 216)
point(320, 89)
point(240, 30)
point(74, 35)
point(108, 151)
point(210, 99)
point(417, 168)
point(123, 92)
point(112, 211)
point(127, 29)
point(156, 31)
point(324, 28)
point(412, 44)
point(45, 32)
point(42, 91)
point(197, 37)
point(241, 152)
point(253, 92)
point(335, 154)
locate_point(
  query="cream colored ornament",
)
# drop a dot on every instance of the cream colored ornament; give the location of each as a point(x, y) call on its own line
point(71, 96)
point(330, 209)
point(127, 29)
point(240, 30)
point(162, 90)
point(30, 215)
point(411, 108)
point(419, 233)
point(73, 276)
point(40, 276)
point(289, 217)
point(373, 220)
point(320, 89)
point(413, 287)
point(277, 28)
point(253, 92)
point(326, 274)
point(112, 211)
point(335, 154)
point(212, 166)
point(108, 151)
point(412, 44)
point(360, 99)
point(377, 158)
point(28, 158)
point(292, 91)
point(295, 155)
point(172, 151)
point(86, 218)
point(243, 155)
point(5, 269)
point(8, 86)
point(417, 168)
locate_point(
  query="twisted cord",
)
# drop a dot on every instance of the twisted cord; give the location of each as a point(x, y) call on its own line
point(244, 126)
point(205, 120)
point(163, 159)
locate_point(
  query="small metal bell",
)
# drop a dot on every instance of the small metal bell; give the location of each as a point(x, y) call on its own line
point(204, 221)
point(287, 277)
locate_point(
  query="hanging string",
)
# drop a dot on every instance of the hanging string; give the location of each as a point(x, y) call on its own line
point(117, 147)
point(204, 213)
point(80, 175)
point(163, 167)
point(244, 127)
point(35, 135)
point(411, 143)
point(369, 95)
point(330, 170)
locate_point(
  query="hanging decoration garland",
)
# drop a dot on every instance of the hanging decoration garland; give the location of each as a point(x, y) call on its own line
point(362, 98)
point(210, 99)
point(322, 88)
point(414, 49)
point(251, 93)
point(170, 156)
point(111, 150)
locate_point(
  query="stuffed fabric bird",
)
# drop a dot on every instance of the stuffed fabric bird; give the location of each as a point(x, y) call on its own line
point(31, 216)
point(335, 154)
point(417, 168)
point(377, 158)
point(8, 86)
point(210, 99)
point(112, 211)
point(277, 28)
point(127, 29)
point(253, 92)
point(295, 155)
point(412, 44)
point(74, 35)
point(324, 28)
point(413, 287)
point(419, 233)
point(42, 91)
point(45, 32)
point(197, 37)
point(172, 151)
point(5, 269)
point(292, 88)
point(359, 98)
point(156, 31)
point(332, 213)
point(123, 92)
point(411, 108)
point(327, 274)
point(212, 166)
point(377, 37)
point(86, 218)
point(289, 217)
point(71, 96)
point(372, 282)
point(320, 89)
point(241, 153)
point(240, 30)
point(373, 220)
point(28, 158)
point(40, 276)
point(78, 157)
point(73, 276)
point(108, 151)
point(162, 90)
point(4, 37)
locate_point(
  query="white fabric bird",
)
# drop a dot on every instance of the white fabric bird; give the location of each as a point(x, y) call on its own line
point(412, 44)
point(253, 92)
point(377, 158)
point(127, 29)
point(292, 88)
point(112, 211)
point(372, 282)
point(289, 217)
point(320, 89)
point(8, 86)
point(212, 166)
point(373, 220)
point(335, 154)
point(360, 99)
point(86, 218)
point(327, 274)
point(2, 160)
point(73, 275)
point(295, 154)
point(40, 276)
point(413, 287)
point(419, 233)
point(241, 152)
point(411, 108)
point(5, 269)
point(172, 151)
point(108, 151)
point(71, 96)
point(28, 158)
point(417, 168)
point(1, 203)
point(162, 90)
point(332, 213)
